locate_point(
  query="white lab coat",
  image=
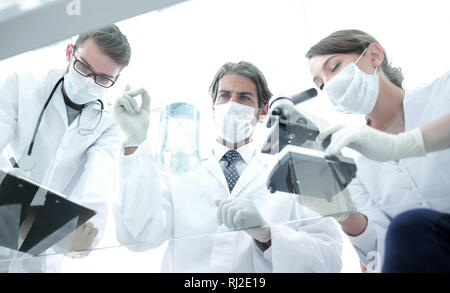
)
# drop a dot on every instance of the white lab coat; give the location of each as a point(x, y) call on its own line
point(384, 190)
point(154, 208)
point(80, 167)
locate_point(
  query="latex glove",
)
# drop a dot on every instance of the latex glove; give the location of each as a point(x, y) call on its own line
point(133, 121)
point(84, 237)
point(242, 214)
point(374, 144)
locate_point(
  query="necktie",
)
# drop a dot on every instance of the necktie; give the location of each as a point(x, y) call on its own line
point(230, 171)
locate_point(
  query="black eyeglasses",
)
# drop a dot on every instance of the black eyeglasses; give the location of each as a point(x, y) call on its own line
point(85, 71)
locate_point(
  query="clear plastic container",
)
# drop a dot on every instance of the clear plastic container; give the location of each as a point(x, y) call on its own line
point(179, 133)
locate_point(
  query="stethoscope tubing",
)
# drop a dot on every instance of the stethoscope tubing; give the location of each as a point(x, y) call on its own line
point(30, 149)
point(36, 129)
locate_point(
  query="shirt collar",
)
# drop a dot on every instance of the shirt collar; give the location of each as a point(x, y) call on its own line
point(246, 151)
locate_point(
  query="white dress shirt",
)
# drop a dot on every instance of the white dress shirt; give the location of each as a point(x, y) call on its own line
point(246, 151)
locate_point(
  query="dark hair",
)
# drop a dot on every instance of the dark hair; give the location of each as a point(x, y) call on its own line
point(354, 41)
point(245, 69)
point(111, 42)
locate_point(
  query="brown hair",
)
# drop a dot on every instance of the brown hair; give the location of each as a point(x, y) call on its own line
point(354, 41)
point(111, 42)
point(245, 69)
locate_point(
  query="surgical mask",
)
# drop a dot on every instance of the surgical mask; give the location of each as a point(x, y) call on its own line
point(352, 90)
point(81, 90)
point(234, 121)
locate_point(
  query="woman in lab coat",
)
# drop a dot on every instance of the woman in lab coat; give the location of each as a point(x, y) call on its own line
point(77, 141)
point(189, 210)
point(394, 174)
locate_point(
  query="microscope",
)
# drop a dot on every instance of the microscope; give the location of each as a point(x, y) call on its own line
point(302, 168)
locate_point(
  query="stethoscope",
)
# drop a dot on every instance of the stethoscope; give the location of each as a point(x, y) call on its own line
point(27, 162)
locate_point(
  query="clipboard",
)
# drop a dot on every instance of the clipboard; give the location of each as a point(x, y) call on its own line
point(33, 218)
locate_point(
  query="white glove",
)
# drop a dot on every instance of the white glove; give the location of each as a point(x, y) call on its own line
point(242, 214)
point(374, 144)
point(133, 121)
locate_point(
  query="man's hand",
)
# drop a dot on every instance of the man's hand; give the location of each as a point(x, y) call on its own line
point(84, 237)
point(374, 144)
point(363, 268)
point(355, 224)
point(242, 214)
point(133, 121)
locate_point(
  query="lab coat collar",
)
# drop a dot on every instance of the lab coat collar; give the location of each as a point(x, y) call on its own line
point(213, 166)
point(246, 151)
point(253, 169)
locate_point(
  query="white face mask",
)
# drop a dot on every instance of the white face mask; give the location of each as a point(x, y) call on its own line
point(234, 121)
point(81, 90)
point(353, 91)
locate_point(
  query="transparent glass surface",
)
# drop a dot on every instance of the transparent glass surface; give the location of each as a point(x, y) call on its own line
point(159, 206)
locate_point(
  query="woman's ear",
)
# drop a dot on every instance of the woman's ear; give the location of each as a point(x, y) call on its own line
point(265, 109)
point(376, 54)
point(263, 113)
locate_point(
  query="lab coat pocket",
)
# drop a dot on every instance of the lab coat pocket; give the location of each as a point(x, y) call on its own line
point(82, 140)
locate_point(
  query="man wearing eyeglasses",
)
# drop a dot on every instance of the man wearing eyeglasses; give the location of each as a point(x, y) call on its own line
point(61, 134)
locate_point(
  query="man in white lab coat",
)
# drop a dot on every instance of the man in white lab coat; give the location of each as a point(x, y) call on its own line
point(62, 134)
point(198, 212)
